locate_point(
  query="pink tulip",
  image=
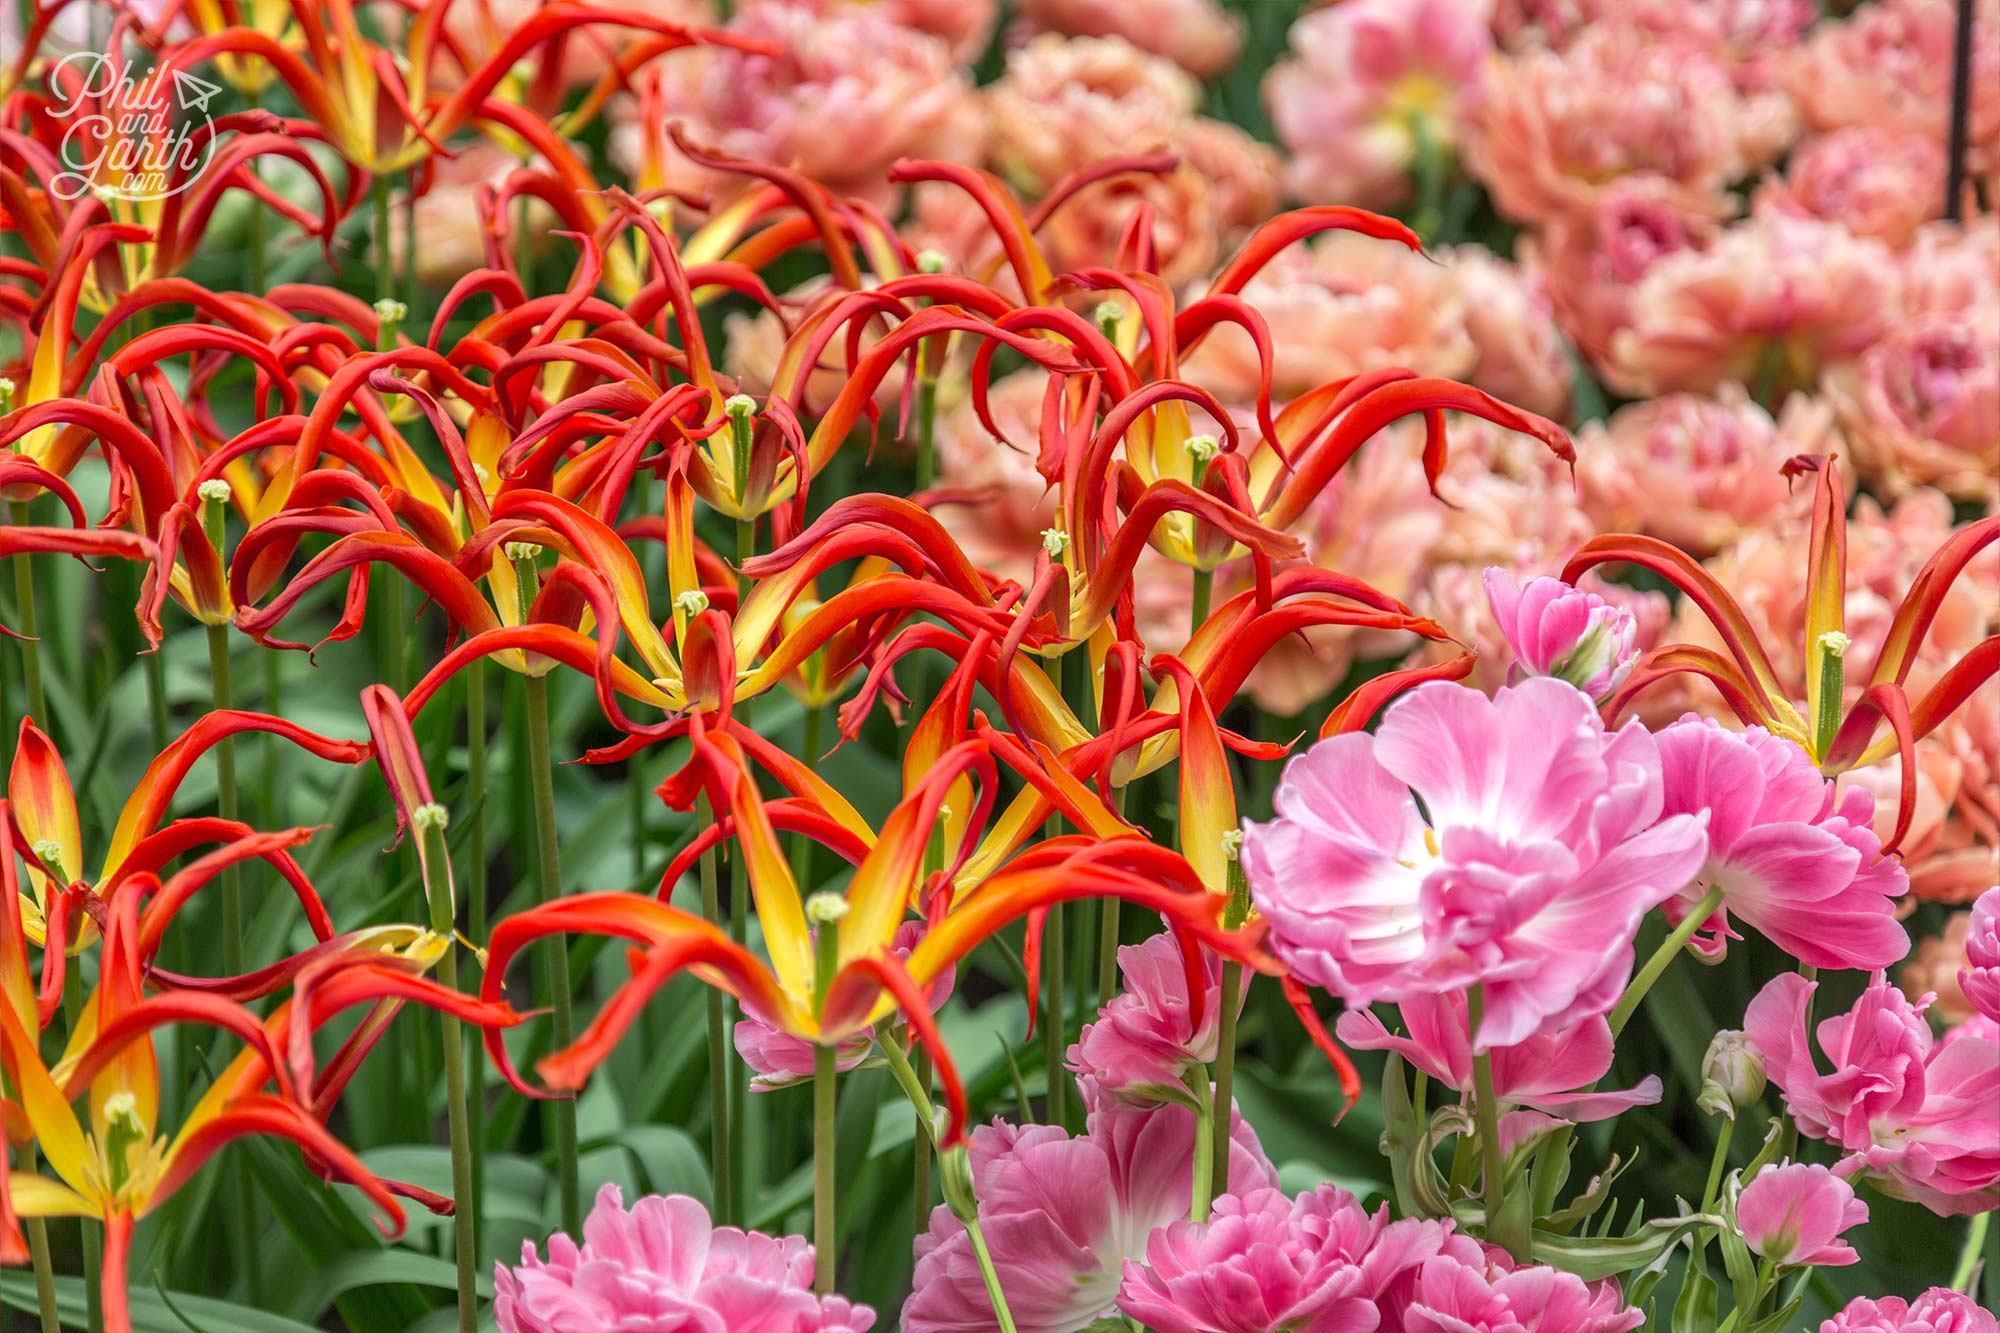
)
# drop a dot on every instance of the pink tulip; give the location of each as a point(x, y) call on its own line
point(1198, 35)
point(1263, 1263)
point(1890, 64)
point(1935, 967)
point(1508, 313)
point(1538, 849)
point(1981, 978)
point(1793, 1214)
point(1061, 1216)
point(1551, 1076)
point(780, 1059)
point(1793, 857)
point(1797, 289)
point(1874, 180)
point(1558, 630)
point(1698, 470)
point(851, 91)
point(1740, 30)
point(1552, 128)
point(1918, 1117)
point(1590, 261)
point(1921, 407)
point(1939, 1310)
point(664, 1266)
point(1338, 305)
point(1371, 85)
point(1145, 1042)
point(1495, 1297)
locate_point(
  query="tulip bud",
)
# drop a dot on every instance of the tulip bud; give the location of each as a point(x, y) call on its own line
point(1732, 1075)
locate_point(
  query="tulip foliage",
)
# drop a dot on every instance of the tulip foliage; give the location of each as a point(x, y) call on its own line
point(575, 726)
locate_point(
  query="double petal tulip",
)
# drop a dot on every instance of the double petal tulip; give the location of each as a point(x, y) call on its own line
point(1939, 1310)
point(1538, 848)
point(1062, 1215)
point(1151, 1036)
point(1562, 631)
point(1552, 1075)
point(1793, 1214)
point(1788, 853)
point(663, 1265)
point(1980, 979)
point(1918, 1117)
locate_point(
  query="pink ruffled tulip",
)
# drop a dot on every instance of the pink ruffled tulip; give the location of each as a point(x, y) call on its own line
point(1198, 35)
point(1552, 1075)
point(661, 1266)
point(1890, 64)
point(1061, 1216)
point(1697, 470)
point(1555, 629)
point(1553, 127)
point(1775, 299)
point(1369, 87)
point(1793, 1214)
point(1922, 406)
point(1981, 978)
point(1496, 1297)
point(851, 91)
point(1934, 968)
point(778, 1059)
point(1874, 180)
point(1793, 857)
point(1511, 319)
point(1538, 849)
point(1145, 1041)
point(1590, 262)
point(1939, 1310)
point(1919, 1117)
point(1263, 1263)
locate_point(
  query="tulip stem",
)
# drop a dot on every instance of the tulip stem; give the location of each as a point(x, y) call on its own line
point(1204, 589)
point(742, 1114)
point(952, 1167)
point(1202, 1194)
point(1230, 997)
point(719, 1073)
point(156, 695)
point(437, 889)
point(562, 1112)
point(824, 1105)
point(1717, 1164)
point(222, 692)
point(24, 611)
point(1053, 970)
point(927, 388)
point(475, 893)
point(921, 1173)
point(1628, 1003)
point(1967, 1271)
point(1492, 1164)
point(38, 1251)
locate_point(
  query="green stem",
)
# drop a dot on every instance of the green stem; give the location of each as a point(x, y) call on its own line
point(922, 1169)
point(385, 268)
point(38, 1251)
point(1487, 1109)
point(719, 1073)
point(562, 1112)
point(1053, 968)
point(1967, 1270)
point(1223, 1108)
point(826, 950)
point(1204, 589)
point(221, 692)
point(156, 696)
point(1107, 951)
point(437, 889)
point(267, 756)
point(952, 1165)
point(1628, 1003)
point(743, 1113)
point(1230, 997)
point(475, 909)
point(24, 612)
point(926, 429)
point(93, 1241)
point(1717, 1164)
point(1203, 1191)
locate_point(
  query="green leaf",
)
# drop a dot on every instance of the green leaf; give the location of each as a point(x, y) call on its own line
point(1608, 1256)
point(1694, 1311)
point(360, 1270)
point(150, 1314)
